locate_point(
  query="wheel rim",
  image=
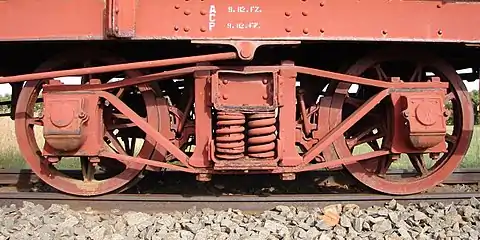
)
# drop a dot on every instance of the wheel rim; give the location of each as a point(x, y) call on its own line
point(367, 171)
point(48, 173)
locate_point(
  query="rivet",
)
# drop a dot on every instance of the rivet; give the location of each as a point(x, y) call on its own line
point(439, 5)
point(203, 12)
point(186, 29)
point(305, 30)
point(304, 13)
point(245, 53)
point(117, 10)
point(322, 30)
point(287, 14)
point(225, 81)
point(384, 32)
point(288, 29)
point(439, 32)
point(264, 81)
point(203, 29)
point(187, 12)
point(177, 6)
point(322, 4)
point(265, 96)
point(225, 96)
point(176, 28)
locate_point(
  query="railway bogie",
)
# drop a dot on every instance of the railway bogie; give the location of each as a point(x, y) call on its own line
point(281, 101)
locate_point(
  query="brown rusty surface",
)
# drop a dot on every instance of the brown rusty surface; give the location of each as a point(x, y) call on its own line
point(245, 164)
point(379, 20)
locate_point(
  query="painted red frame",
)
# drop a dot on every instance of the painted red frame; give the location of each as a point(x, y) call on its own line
point(377, 20)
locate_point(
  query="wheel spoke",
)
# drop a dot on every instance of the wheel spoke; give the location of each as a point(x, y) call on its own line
point(88, 170)
point(383, 165)
point(363, 137)
point(374, 145)
point(380, 73)
point(410, 65)
point(116, 144)
point(417, 74)
point(35, 121)
point(418, 163)
point(117, 176)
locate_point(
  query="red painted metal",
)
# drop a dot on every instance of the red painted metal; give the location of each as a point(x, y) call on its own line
point(419, 122)
point(371, 172)
point(245, 19)
point(230, 136)
point(261, 135)
point(340, 128)
point(72, 124)
point(27, 139)
point(117, 67)
point(233, 134)
point(241, 118)
point(262, 91)
point(121, 18)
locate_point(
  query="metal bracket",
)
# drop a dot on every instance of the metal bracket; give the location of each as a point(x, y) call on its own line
point(121, 18)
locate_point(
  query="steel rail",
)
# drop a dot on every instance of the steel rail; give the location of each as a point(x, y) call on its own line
point(251, 203)
point(460, 176)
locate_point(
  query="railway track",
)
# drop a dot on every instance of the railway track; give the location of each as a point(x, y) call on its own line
point(23, 177)
point(172, 202)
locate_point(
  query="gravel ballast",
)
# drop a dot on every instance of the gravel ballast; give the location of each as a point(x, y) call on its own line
point(391, 221)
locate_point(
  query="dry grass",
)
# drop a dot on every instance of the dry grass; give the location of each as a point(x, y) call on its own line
point(10, 156)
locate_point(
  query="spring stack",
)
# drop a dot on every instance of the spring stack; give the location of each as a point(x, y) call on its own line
point(261, 135)
point(230, 136)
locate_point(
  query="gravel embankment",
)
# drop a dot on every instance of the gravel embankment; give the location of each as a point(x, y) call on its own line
point(392, 221)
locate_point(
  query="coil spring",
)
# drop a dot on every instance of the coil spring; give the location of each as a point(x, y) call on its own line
point(261, 135)
point(230, 137)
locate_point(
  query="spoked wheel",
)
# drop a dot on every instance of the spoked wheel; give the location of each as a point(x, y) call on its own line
point(103, 175)
point(374, 131)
